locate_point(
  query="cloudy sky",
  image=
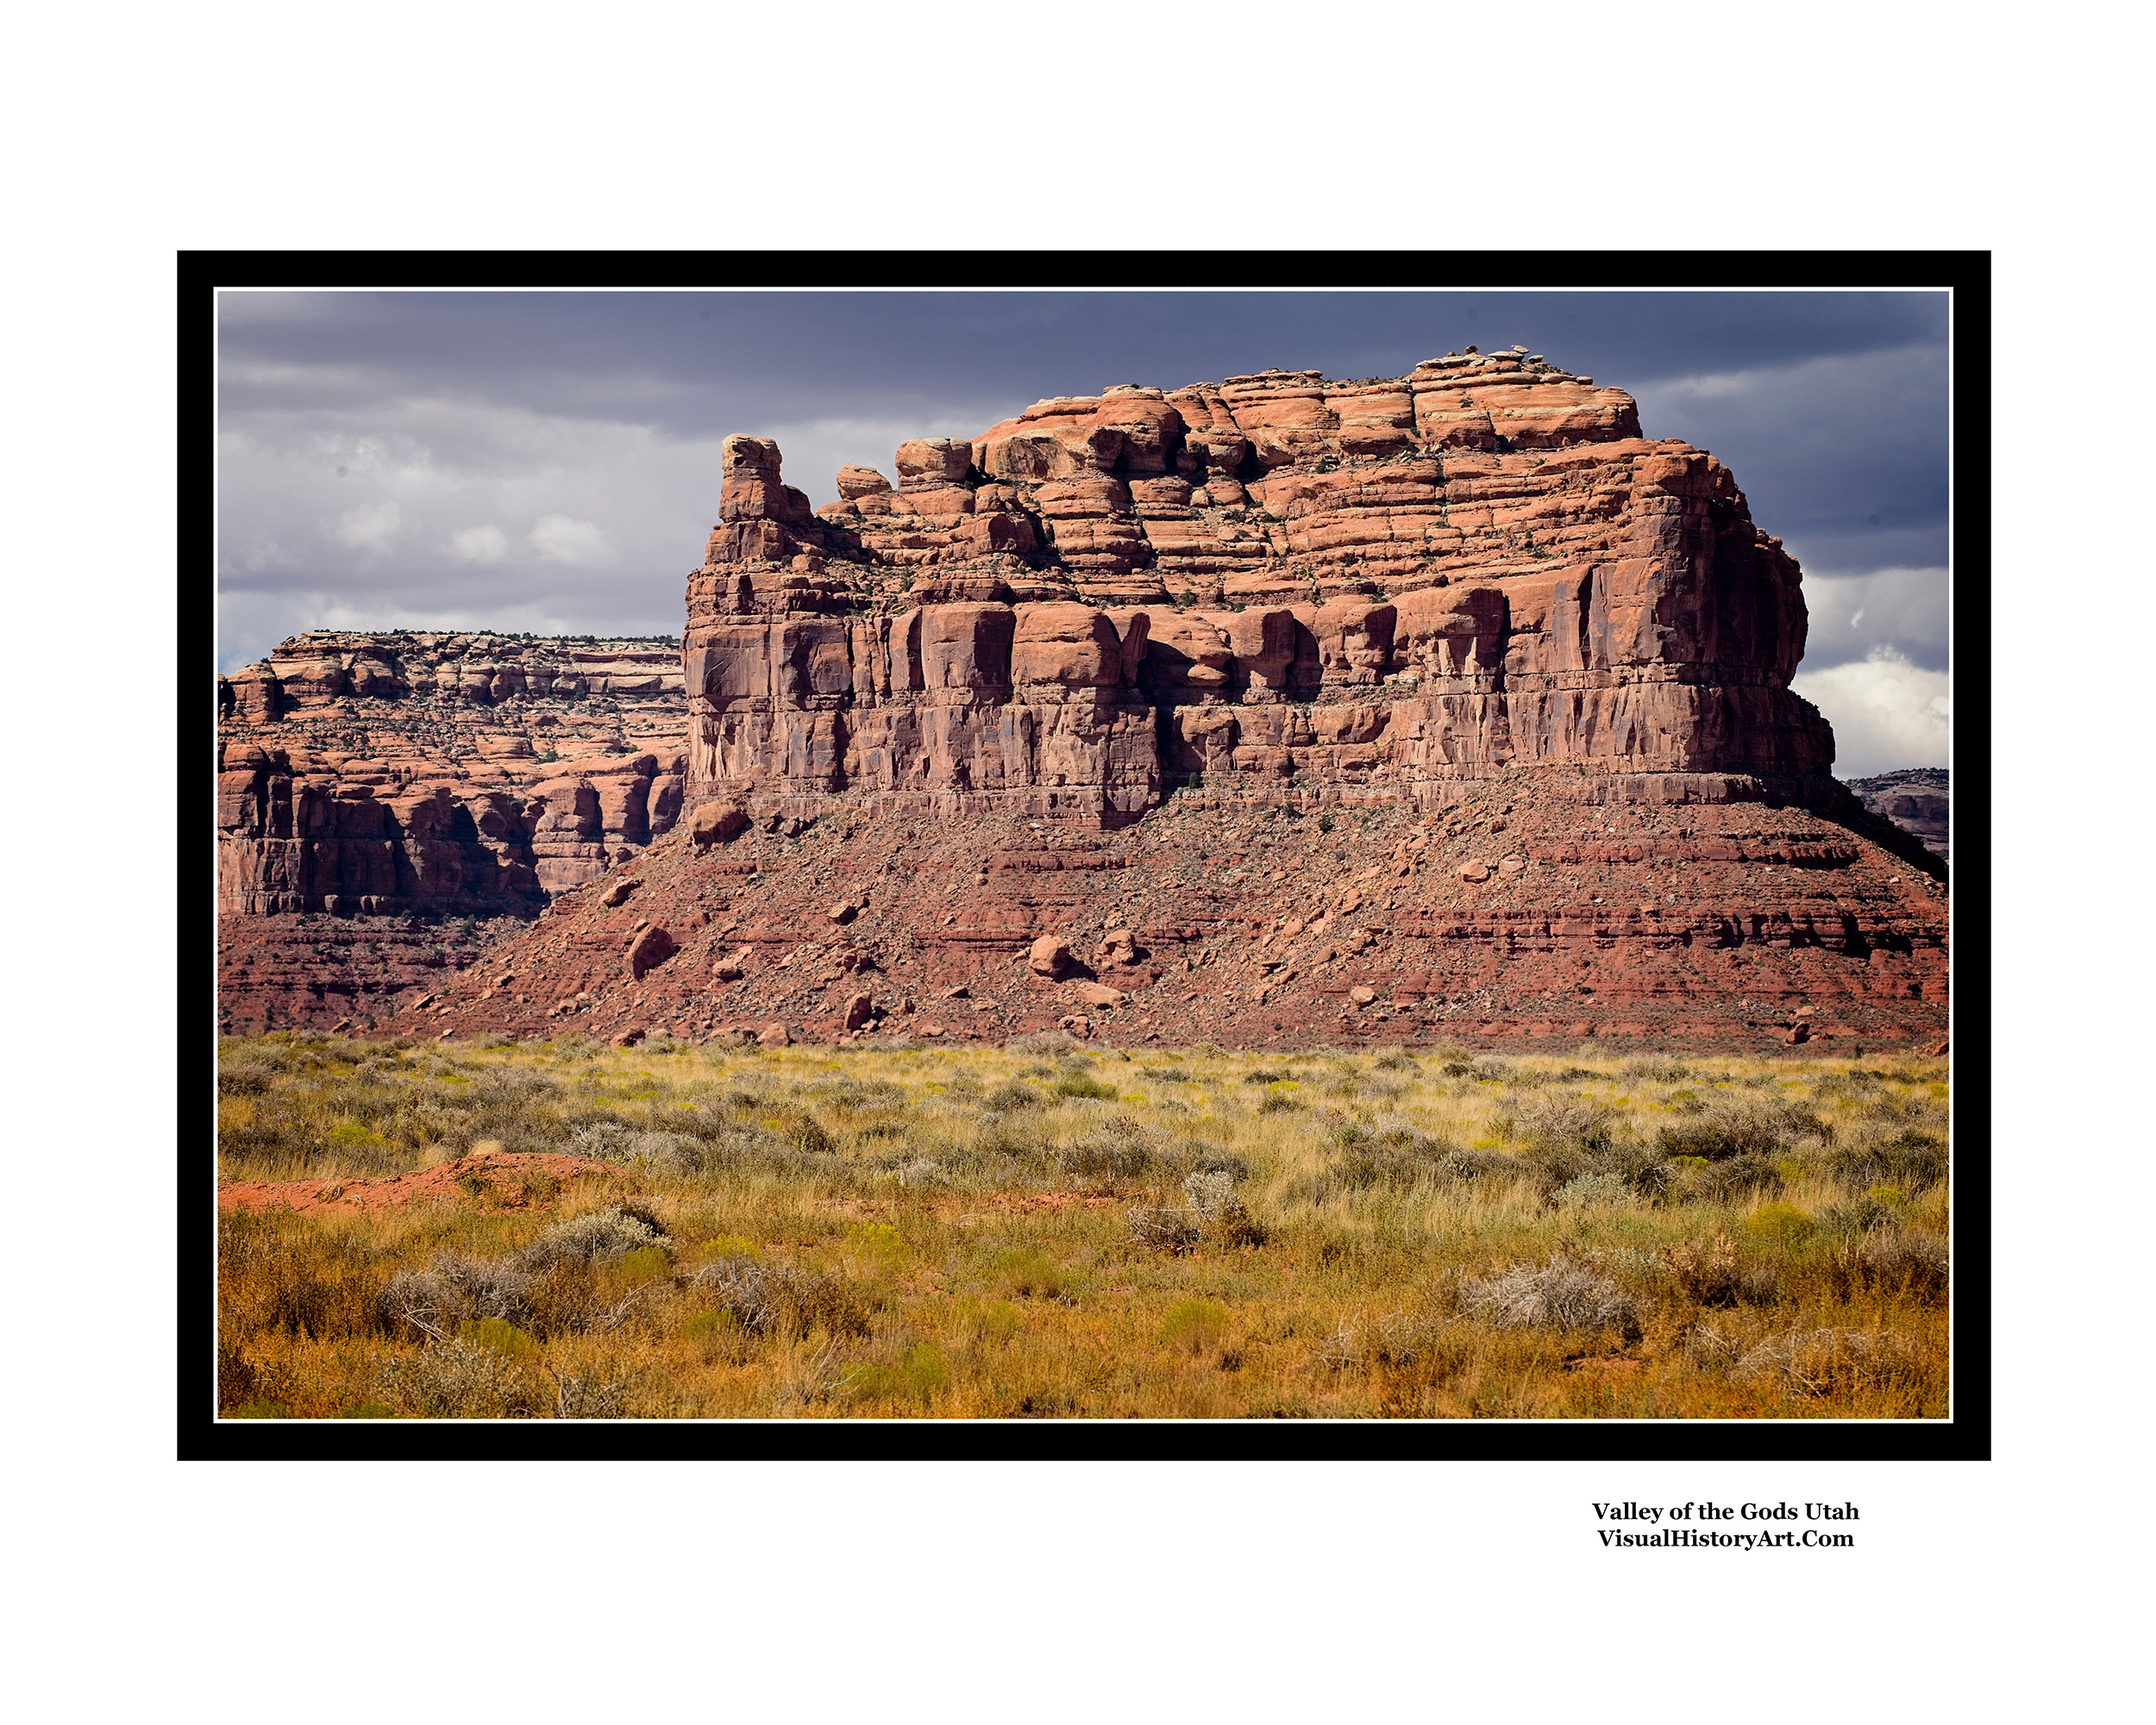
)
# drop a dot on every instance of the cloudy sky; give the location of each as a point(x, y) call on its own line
point(549, 462)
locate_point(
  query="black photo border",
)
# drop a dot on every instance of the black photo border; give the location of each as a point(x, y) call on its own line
point(1967, 1435)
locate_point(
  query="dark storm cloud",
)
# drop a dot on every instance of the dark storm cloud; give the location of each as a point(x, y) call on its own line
point(549, 462)
point(671, 359)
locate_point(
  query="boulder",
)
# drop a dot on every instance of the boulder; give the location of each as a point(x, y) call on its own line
point(1097, 994)
point(618, 894)
point(773, 1036)
point(1118, 946)
point(1050, 958)
point(856, 481)
point(933, 461)
point(651, 949)
point(860, 1008)
point(717, 823)
point(1475, 872)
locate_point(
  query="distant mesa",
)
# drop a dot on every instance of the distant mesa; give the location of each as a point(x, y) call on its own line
point(1914, 799)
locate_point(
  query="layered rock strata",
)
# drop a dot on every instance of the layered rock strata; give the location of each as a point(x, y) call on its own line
point(1523, 915)
point(371, 785)
point(383, 774)
point(1439, 707)
point(1916, 800)
point(1391, 587)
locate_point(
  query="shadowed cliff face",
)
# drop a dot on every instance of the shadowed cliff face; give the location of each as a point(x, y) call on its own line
point(388, 774)
point(1392, 587)
point(1916, 800)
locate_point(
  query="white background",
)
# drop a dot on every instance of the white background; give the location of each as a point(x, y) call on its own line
point(1021, 1591)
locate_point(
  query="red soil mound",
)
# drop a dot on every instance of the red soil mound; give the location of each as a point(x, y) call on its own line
point(505, 1179)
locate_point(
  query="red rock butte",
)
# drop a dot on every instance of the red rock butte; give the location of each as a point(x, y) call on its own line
point(1498, 686)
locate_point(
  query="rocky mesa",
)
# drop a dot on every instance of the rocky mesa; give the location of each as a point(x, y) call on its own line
point(371, 785)
point(1915, 799)
point(1282, 707)
point(1391, 587)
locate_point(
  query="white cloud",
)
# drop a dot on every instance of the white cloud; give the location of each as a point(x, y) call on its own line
point(1902, 609)
point(264, 555)
point(564, 539)
point(1886, 712)
point(371, 528)
point(488, 544)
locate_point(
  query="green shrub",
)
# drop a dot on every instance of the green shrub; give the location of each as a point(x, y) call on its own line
point(1026, 1272)
point(871, 1383)
point(505, 1339)
point(1783, 1224)
point(1083, 1085)
point(876, 1244)
point(1194, 1325)
point(925, 1372)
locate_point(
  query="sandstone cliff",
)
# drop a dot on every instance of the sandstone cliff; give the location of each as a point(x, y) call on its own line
point(1390, 587)
point(371, 785)
point(1274, 710)
point(1916, 800)
point(474, 774)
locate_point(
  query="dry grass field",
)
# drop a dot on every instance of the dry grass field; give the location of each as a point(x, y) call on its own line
point(1060, 1231)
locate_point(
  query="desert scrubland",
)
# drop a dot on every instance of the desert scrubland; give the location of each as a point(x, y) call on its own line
point(560, 1229)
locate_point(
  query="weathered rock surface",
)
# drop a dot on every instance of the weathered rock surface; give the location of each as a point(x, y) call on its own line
point(1720, 925)
point(389, 781)
point(1396, 587)
point(1916, 800)
point(1445, 705)
point(380, 775)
